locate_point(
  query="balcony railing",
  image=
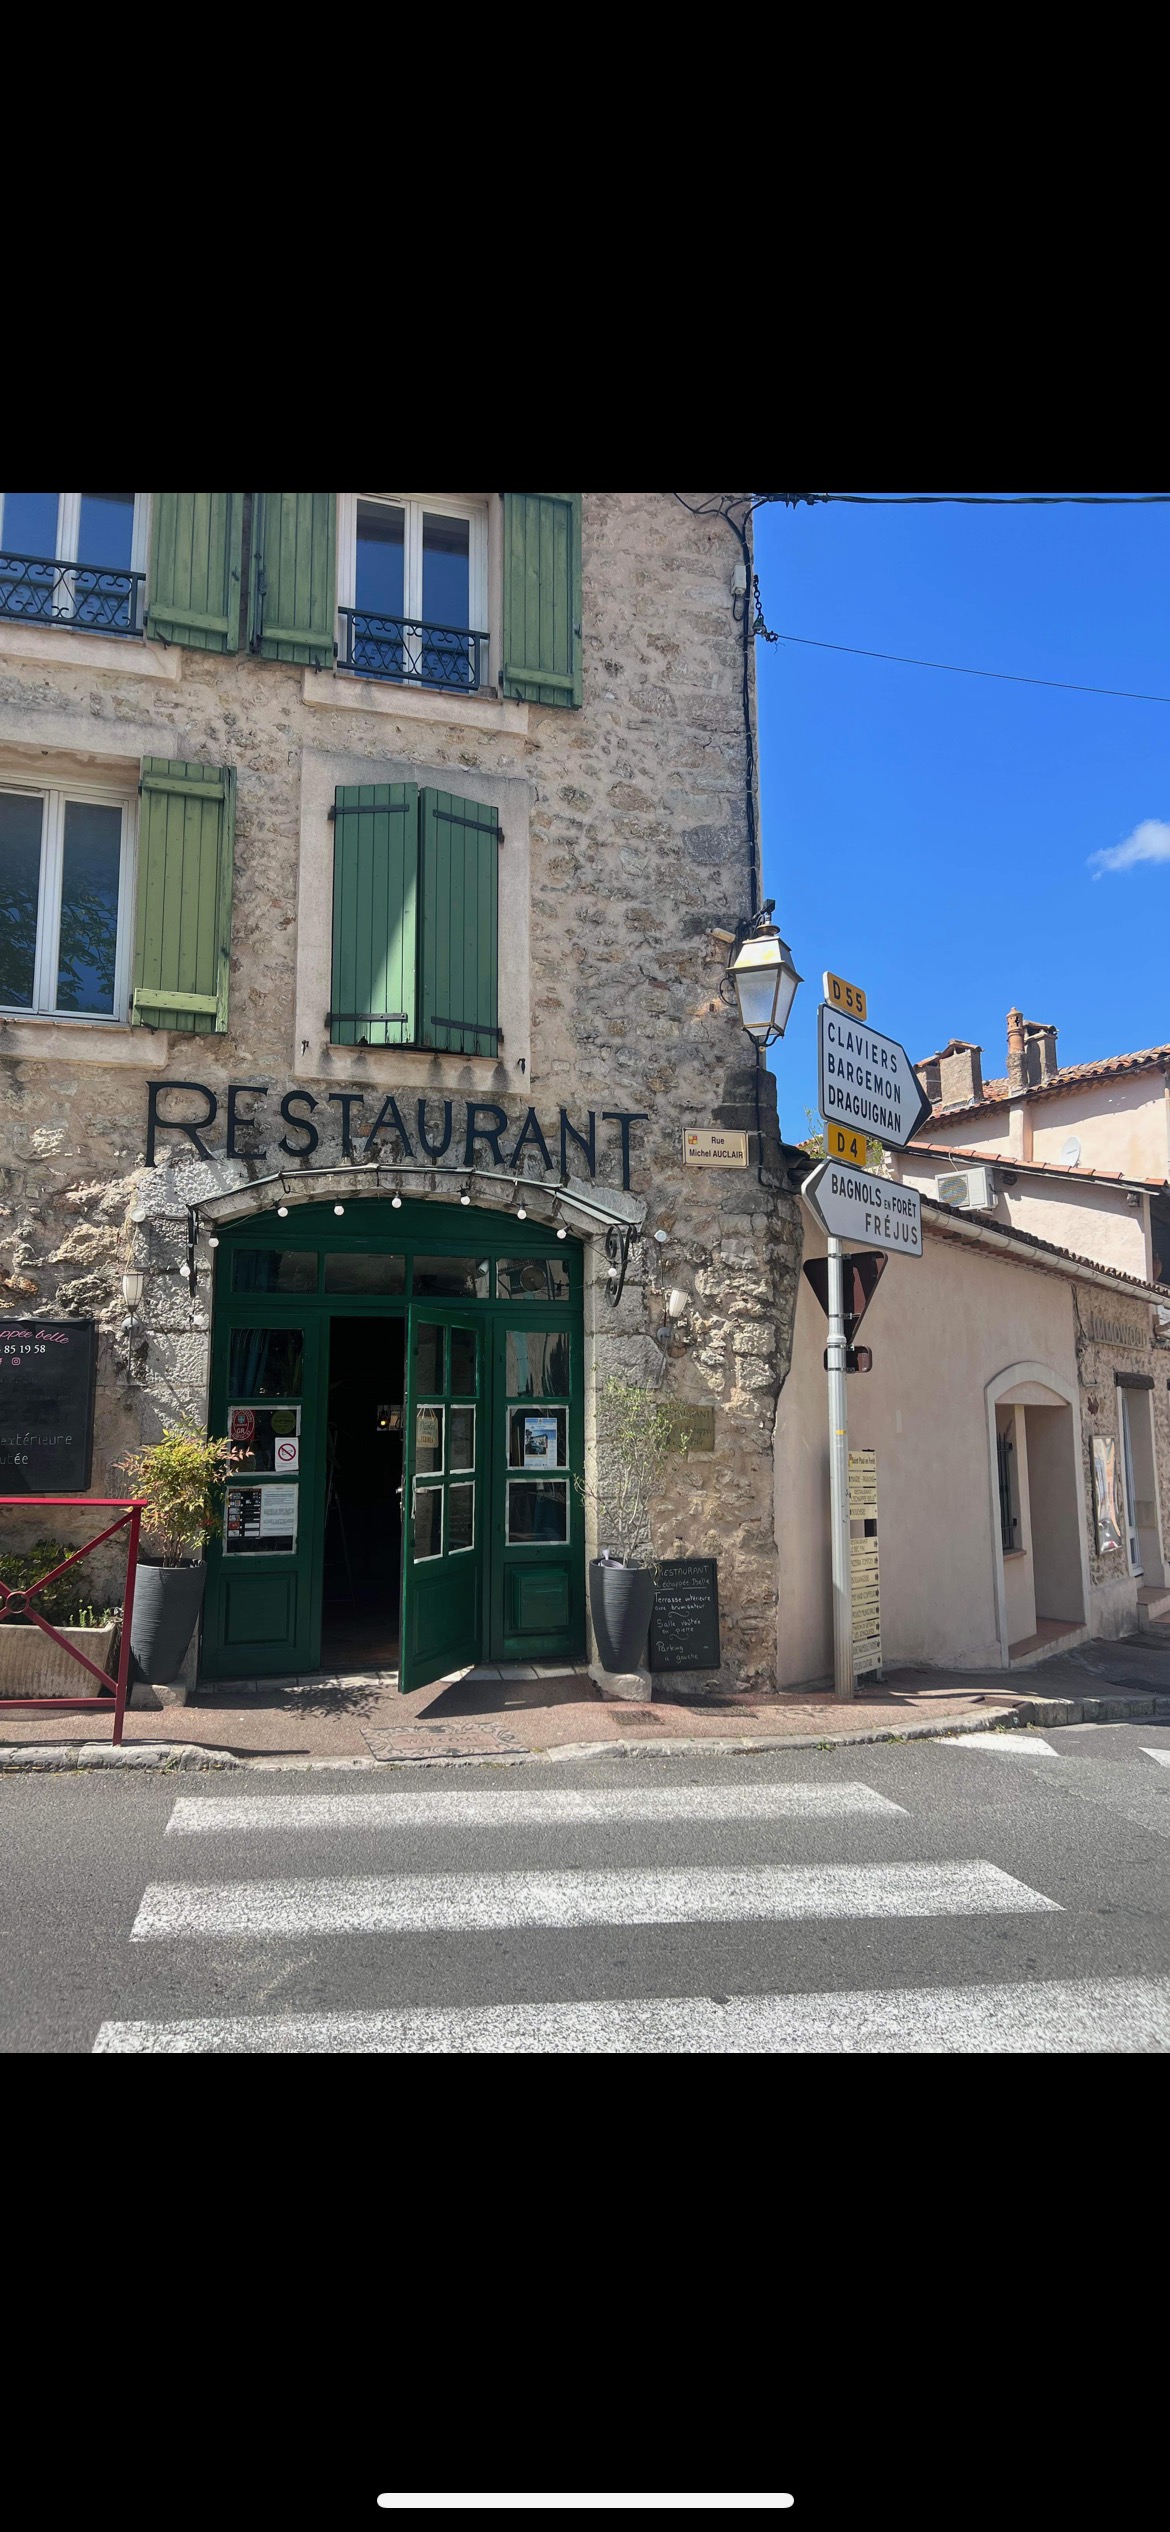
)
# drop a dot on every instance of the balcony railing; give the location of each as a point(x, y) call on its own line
point(83, 597)
point(410, 654)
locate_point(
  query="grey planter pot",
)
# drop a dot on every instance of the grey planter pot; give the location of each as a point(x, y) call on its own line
point(621, 1599)
point(167, 1602)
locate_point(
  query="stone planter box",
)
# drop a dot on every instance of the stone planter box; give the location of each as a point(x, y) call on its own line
point(31, 1665)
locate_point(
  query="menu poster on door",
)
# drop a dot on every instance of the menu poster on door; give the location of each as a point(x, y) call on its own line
point(1105, 1498)
point(260, 1520)
point(261, 1438)
point(540, 1441)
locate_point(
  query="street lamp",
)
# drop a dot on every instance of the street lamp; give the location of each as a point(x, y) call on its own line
point(764, 978)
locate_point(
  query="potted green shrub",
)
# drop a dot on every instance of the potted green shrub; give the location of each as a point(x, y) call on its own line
point(634, 1435)
point(31, 1663)
point(182, 1478)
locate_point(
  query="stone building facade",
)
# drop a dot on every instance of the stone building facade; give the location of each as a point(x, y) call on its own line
point(604, 741)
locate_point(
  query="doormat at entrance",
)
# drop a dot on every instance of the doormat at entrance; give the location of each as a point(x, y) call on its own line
point(463, 1737)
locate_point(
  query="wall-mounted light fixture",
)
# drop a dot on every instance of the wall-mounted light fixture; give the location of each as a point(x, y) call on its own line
point(133, 1287)
point(762, 978)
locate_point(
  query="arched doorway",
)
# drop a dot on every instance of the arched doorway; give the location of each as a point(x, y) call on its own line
point(403, 1389)
point(1041, 1554)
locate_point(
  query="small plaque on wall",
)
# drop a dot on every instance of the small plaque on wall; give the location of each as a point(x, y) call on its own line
point(46, 1406)
point(684, 1628)
point(692, 1428)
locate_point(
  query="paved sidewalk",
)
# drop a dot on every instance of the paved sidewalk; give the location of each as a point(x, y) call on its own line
point(527, 1711)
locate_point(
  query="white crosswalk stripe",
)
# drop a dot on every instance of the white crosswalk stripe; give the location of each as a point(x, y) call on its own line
point(1003, 1744)
point(1039, 2017)
point(522, 1807)
point(1162, 1756)
point(467, 1902)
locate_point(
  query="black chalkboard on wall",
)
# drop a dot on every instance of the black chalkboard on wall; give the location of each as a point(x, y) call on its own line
point(684, 1629)
point(46, 1405)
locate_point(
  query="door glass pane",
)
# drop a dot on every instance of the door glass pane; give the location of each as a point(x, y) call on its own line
point(462, 1437)
point(274, 1270)
point(20, 879)
point(538, 1363)
point(30, 522)
point(428, 1523)
point(460, 1518)
point(538, 1513)
point(454, 1278)
point(266, 1362)
point(463, 1343)
point(372, 1272)
point(101, 587)
point(428, 1439)
point(428, 1360)
point(446, 589)
point(538, 1441)
point(380, 557)
point(88, 940)
point(532, 1279)
point(265, 1438)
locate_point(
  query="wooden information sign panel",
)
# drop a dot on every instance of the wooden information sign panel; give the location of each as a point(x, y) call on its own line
point(684, 1629)
point(863, 1561)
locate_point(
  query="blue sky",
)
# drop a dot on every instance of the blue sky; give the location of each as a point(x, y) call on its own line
point(930, 836)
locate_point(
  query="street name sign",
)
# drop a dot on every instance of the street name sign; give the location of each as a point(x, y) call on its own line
point(714, 1147)
point(845, 997)
point(867, 1081)
point(851, 1204)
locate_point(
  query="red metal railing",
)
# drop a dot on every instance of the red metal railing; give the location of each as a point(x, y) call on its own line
point(130, 1509)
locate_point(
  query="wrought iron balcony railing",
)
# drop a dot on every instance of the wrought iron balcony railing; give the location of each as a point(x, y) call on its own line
point(84, 597)
point(410, 654)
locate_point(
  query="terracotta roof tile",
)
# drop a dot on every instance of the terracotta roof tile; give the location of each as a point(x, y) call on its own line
point(996, 1093)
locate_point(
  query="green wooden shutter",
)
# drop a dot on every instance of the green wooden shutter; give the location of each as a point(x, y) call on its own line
point(542, 596)
point(182, 932)
point(457, 960)
point(196, 541)
point(375, 915)
point(292, 601)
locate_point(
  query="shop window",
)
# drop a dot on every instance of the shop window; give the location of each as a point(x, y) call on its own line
point(538, 1363)
point(532, 1279)
point(65, 904)
point(538, 1512)
point(372, 1272)
point(450, 1278)
point(266, 1363)
point(274, 1270)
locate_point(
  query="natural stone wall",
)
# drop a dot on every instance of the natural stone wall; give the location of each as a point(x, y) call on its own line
point(639, 847)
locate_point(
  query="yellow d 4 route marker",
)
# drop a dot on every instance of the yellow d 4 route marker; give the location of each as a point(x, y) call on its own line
point(842, 1144)
point(843, 997)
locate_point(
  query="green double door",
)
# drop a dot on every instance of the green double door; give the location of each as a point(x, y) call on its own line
point(475, 1520)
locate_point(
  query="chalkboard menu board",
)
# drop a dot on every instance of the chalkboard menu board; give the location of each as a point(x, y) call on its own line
point(684, 1629)
point(46, 1406)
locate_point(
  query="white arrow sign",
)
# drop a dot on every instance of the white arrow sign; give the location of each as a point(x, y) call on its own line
point(870, 1212)
point(868, 1081)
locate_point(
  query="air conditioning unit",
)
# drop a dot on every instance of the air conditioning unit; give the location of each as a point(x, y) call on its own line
point(969, 1190)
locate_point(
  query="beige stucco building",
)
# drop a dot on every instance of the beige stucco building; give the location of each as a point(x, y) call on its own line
point(365, 856)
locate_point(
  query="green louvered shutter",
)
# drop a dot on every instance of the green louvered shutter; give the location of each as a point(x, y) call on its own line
point(542, 596)
point(183, 918)
point(196, 546)
point(292, 600)
point(458, 957)
point(375, 915)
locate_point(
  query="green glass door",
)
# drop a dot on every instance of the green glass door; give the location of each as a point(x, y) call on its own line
point(538, 1566)
point(262, 1615)
point(443, 1563)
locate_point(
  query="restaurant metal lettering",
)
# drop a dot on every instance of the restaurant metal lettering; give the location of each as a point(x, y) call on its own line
point(462, 1127)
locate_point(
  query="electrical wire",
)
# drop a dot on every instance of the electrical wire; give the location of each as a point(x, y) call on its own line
point(1063, 685)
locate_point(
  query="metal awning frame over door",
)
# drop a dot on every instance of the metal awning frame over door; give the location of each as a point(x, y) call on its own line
point(423, 1230)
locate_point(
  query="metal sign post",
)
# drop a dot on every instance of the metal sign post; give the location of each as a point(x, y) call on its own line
point(839, 1480)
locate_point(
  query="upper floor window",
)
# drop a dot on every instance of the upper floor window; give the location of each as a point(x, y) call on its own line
point(65, 890)
point(412, 589)
point(74, 558)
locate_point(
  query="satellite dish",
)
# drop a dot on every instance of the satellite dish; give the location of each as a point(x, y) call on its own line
point(1070, 1152)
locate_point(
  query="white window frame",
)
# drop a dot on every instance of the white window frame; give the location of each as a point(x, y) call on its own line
point(65, 550)
point(54, 801)
point(445, 505)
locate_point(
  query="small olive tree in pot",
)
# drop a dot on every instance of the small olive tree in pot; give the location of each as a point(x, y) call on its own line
point(182, 1478)
point(634, 1436)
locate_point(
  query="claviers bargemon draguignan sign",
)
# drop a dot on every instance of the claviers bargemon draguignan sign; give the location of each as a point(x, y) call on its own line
point(465, 1133)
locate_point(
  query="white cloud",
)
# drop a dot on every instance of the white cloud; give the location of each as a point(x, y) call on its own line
point(1150, 842)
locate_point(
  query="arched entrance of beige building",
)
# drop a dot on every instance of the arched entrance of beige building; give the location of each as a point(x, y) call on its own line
point(1037, 1504)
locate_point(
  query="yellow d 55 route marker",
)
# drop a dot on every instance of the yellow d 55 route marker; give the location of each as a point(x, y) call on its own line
point(841, 1143)
point(850, 998)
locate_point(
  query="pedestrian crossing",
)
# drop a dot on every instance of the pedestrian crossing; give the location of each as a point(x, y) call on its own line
point(405, 1831)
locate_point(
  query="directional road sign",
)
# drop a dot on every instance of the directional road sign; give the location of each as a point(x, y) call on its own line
point(851, 1204)
point(844, 996)
point(868, 1081)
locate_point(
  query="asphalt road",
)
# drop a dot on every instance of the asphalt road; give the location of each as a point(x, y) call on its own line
point(907, 1897)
